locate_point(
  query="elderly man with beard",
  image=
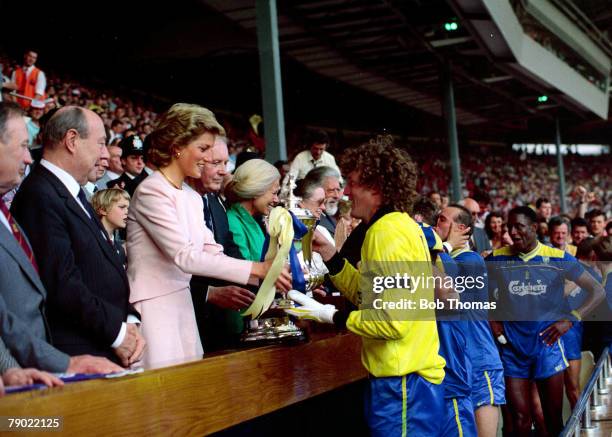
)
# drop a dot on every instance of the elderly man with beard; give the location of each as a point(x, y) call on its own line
point(329, 179)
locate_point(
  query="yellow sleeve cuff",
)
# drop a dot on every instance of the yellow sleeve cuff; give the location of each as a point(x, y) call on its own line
point(577, 315)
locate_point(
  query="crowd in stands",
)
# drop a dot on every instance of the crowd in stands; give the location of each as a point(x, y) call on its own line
point(503, 179)
point(497, 177)
point(136, 238)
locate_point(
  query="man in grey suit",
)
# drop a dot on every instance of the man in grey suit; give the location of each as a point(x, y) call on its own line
point(23, 326)
point(10, 370)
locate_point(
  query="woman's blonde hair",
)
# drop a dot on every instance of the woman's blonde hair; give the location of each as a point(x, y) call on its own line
point(177, 127)
point(105, 199)
point(251, 180)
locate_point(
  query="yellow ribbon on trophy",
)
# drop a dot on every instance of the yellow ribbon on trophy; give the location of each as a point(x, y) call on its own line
point(280, 228)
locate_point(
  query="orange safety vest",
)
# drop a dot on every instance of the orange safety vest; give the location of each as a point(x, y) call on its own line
point(26, 86)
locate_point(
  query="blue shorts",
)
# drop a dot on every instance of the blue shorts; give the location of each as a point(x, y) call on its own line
point(549, 361)
point(488, 388)
point(572, 342)
point(459, 420)
point(404, 405)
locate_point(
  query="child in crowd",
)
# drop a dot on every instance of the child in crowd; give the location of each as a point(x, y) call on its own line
point(112, 205)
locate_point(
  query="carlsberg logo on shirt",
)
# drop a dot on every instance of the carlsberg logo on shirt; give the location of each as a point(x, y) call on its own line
point(522, 289)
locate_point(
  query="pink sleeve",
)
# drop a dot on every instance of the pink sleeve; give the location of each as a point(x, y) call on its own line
point(156, 212)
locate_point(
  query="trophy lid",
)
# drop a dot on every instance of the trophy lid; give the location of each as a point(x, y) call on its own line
point(290, 200)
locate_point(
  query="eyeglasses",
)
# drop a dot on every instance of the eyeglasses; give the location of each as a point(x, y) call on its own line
point(218, 164)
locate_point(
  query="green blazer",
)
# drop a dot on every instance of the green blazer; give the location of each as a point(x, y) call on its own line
point(248, 235)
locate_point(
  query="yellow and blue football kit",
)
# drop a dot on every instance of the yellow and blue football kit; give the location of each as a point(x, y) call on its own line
point(458, 418)
point(405, 396)
point(488, 386)
point(572, 339)
point(530, 289)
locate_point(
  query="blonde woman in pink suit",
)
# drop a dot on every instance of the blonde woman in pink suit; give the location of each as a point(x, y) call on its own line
point(168, 241)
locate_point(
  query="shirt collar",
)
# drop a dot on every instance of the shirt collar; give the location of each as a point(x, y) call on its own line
point(531, 254)
point(66, 178)
point(456, 253)
point(315, 160)
point(112, 175)
point(89, 187)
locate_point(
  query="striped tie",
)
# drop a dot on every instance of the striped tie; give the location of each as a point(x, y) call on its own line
point(18, 235)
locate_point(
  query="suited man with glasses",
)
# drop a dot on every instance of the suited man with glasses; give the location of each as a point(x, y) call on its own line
point(216, 302)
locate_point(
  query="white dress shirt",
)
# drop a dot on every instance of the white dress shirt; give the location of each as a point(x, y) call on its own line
point(67, 180)
point(304, 162)
point(4, 220)
point(112, 175)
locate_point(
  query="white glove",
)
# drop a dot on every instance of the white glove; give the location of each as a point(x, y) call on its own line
point(310, 309)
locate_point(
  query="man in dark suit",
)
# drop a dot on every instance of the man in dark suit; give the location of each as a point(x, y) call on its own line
point(132, 152)
point(215, 302)
point(88, 307)
point(23, 325)
point(479, 242)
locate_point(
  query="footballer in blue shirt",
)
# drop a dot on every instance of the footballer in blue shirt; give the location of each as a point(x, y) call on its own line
point(528, 279)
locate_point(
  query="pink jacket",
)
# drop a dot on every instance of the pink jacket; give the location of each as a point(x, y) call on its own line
point(168, 242)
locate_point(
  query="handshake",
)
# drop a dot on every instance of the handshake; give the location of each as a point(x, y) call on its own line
point(310, 309)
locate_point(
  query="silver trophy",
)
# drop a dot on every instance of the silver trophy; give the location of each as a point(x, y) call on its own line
point(314, 276)
point(275, 326)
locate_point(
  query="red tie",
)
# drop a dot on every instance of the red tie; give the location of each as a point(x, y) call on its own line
point(18, 235)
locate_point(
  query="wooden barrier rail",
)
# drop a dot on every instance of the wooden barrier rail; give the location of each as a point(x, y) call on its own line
point(199, 397)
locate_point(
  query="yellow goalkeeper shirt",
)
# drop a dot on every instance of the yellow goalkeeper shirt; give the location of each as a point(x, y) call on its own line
point(396, 342)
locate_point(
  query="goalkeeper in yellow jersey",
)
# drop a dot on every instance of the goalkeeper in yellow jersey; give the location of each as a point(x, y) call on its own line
point(400, 344)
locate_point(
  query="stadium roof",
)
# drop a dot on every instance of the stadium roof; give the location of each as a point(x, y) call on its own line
point(397, 49)
point(357, 64)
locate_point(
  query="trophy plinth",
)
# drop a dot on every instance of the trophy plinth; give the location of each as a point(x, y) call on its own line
point(273, 327)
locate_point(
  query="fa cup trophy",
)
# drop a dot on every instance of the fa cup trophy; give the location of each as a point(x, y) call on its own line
point(274, 325)
point(314, 275)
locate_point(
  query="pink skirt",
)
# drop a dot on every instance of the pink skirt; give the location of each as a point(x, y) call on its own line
point(170, 329)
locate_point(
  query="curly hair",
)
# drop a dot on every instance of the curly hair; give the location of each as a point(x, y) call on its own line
point(384, 167)
point(177, 127)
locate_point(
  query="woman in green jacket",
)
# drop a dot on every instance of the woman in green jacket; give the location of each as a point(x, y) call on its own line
point(252, 193)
